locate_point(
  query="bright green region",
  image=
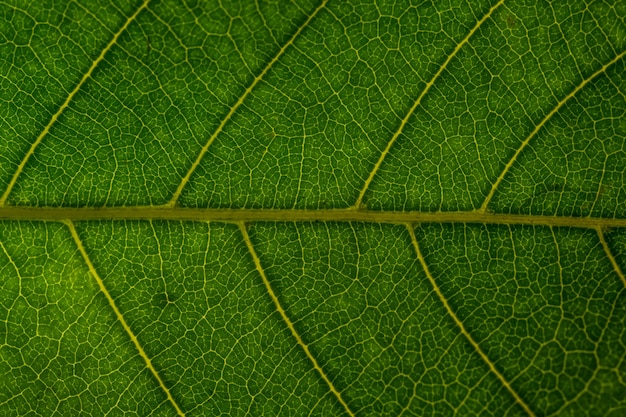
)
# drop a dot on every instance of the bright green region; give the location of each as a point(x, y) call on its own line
point(360, 299)
point(545, 305)
point(312, 131)
point(62, 350)
point(201, 313)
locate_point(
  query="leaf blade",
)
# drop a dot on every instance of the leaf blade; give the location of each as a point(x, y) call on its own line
point(532, 315)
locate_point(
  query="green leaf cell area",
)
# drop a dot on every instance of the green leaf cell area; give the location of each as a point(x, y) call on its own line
point(324, 207)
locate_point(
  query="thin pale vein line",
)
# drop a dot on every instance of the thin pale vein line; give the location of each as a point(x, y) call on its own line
point(120, 317)
point(460, 325)
point(609, 254)
point(398, 132)
point(537, 128)
point(289, 215)
point(234, 108)
point(66, 103)
point(283, 314)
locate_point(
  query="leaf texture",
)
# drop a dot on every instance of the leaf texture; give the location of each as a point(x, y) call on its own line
point(313, 208)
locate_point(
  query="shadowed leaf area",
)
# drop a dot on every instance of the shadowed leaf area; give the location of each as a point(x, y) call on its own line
point(359, 208)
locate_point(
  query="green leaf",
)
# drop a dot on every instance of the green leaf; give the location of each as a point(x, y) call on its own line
point(317, 208)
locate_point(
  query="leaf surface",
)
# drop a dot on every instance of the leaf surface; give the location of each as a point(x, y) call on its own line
point(313, 208)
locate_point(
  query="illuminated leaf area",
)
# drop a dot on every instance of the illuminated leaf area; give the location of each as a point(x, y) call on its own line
point(312, 208)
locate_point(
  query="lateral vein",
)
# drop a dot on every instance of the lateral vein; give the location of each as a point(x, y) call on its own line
point(283, 314)
point(609, 254)
point(538, 127)
point(460, 325)
point(430, 83)
point(66, 103)
point(120, 317)
point(234, 108)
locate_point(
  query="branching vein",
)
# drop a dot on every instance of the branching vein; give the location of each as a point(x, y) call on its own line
point(292, 215)
point(461, 327)
point(66, 103)
point(283, 314)
point(430, 83)
point(120, 317)
point(234, 108)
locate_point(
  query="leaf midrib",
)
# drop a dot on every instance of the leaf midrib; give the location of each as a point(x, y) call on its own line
point(236, 215)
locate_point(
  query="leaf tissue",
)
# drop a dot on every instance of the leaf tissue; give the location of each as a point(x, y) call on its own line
point(317, 207)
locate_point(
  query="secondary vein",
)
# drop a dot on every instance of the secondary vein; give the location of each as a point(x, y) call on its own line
point(120, 317)
point(66, 103)
point(430, 83)
point(537, 128)
point(461, 327)
point(283, 314)
point(609, 254)
point(234, 108)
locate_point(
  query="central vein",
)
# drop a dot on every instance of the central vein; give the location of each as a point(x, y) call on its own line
point(290, 215)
